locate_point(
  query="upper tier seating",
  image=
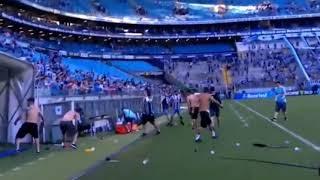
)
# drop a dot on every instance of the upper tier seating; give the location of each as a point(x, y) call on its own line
point(166, 10)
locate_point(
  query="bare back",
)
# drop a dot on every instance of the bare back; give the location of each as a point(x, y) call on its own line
point(193, 100)
point(32, 114)
point(204, 99)
point(71, 116)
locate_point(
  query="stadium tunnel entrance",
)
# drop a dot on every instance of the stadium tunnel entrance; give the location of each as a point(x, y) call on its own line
point(16, 85)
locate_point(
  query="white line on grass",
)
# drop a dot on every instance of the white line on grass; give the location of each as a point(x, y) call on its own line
point(16, 169)
point(30, 163)
point(41, 158)
point(241, 119)
point(293, 134)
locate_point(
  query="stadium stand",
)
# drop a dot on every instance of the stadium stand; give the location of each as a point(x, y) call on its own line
point(193, 9)
point(203, 48)
point(98, 57)
point(98, 67)
point(135, 66)
point(311, 62)
point(65, 76)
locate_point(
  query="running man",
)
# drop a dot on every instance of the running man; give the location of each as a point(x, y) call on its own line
point(193, 107)
point(30, 126)
point(68, 126)
point(147, 113)
point(281, 101)
point(214, 107)
point(165, 99)
point(176, 105)
point(205, 99)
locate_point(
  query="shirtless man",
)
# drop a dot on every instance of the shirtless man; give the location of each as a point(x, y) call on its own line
point(205, 99)
point(68, 127)
point(30, 126)
point(193, 107)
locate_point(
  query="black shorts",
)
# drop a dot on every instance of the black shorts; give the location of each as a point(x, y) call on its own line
point(281, 107)
point(145, 118)
point(214, 112)
point(205, 119)
point(28, 128)
point(67, 127)
point(194, 112)
point(165, 109)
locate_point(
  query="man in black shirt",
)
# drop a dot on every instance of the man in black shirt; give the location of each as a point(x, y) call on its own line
point(165, 99)
point(147, 112)
point(215, 108)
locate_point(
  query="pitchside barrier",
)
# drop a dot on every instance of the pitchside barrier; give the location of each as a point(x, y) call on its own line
point(270, 94)
point(92, 106)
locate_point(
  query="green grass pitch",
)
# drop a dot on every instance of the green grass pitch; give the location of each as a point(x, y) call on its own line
point(172, 155)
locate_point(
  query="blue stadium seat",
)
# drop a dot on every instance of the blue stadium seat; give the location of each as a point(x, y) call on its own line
point(97, 67)
point(198, 9)
point(135, 66)
point(203, 48)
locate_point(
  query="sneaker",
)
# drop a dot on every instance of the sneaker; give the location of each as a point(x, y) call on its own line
point(198, 138)
point(285, 118)
point(158, 132)
point(143, 134)
point(214, 135)
point(74, 146)
point(273, 119)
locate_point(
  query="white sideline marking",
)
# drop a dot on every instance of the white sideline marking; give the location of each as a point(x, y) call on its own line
point(293, 134)
point(16, 169)
point(30, 163)
point(41, 158)
point(241, 119)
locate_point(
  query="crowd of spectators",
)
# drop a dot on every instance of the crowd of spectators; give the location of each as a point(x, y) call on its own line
point(262, 68)
point(257, 69)
point(311, 62)
point(201, 71)
point(55, 78)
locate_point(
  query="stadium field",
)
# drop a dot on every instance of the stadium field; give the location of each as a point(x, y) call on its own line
point(174, 155)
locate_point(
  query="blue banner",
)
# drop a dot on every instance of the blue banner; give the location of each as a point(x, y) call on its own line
point(270, 94)
point(257, 95)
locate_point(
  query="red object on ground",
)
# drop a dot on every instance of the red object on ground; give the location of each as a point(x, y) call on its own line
point(121, 129)
point(125, 129)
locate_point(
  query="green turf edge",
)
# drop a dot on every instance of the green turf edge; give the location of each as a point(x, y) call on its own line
point(61, 164)
point(91, 168)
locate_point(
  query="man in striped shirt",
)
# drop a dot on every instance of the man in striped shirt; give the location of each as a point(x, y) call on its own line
point(148, 113)
point(176, 105)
